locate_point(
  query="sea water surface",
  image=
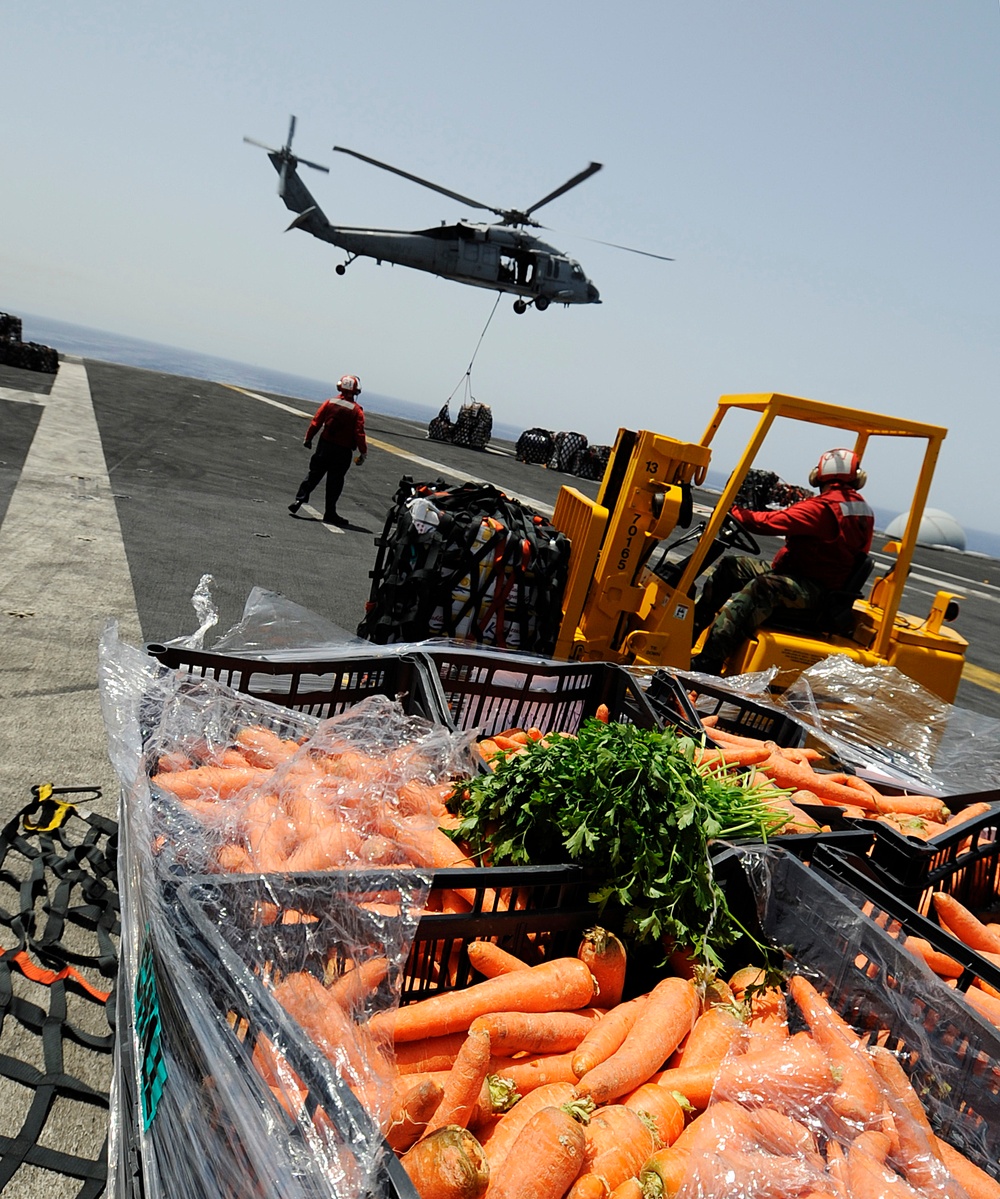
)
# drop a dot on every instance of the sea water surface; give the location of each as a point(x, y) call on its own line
point(171, 360)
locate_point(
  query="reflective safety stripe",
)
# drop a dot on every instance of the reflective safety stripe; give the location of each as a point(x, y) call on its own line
point(855, 508)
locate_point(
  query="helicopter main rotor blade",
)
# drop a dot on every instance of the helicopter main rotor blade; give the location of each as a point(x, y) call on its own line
point(416, 179)
point(584, 174)
point(631, 249)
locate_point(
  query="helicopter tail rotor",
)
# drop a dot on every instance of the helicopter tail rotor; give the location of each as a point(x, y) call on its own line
point(284, 159)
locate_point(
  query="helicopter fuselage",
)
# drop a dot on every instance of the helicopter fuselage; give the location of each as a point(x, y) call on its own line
point(496, 256)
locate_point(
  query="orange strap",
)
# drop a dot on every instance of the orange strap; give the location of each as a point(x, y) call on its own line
point(39, 974)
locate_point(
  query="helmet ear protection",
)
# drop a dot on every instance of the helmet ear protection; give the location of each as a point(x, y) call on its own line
point(838, 466)
point(349, 384)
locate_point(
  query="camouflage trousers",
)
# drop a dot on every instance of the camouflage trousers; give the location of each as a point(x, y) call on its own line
point(739, 594)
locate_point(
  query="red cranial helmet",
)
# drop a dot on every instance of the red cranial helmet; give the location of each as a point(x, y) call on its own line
point(838, 466)
point(349, 385)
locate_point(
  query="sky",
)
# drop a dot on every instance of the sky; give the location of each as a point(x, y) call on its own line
point(825, 177)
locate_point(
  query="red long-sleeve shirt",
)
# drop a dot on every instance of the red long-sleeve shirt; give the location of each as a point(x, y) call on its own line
point(340, 421)
point(823, 534)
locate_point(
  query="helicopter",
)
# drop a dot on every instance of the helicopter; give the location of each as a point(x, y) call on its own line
point(501, 256)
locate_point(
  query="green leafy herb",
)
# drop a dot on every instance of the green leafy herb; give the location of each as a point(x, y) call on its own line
point(632, 805)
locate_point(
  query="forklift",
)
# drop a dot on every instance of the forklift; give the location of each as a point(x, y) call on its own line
point(631, 590)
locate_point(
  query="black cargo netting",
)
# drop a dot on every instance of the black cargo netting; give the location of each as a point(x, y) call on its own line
point(58, 960)
point(763, 489)
point(468, 563)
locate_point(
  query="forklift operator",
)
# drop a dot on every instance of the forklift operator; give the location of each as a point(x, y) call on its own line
point(825, 535)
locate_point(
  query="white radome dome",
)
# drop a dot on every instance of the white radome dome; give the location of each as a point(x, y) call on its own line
point(936, 528)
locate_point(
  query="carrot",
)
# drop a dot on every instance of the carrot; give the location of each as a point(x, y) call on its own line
point(629, 1189)
point(588, 1186)
point(209, 782)
point(731, 755)
point(870, 1178)
point(261, 746)
point(969, 813)
point(465, 1080)
point(978, 1184)
point(664, 1172)
point(334, 845)
point(716, 1033)
point(966, 927)
point(306, 1000)
point(858, 1096)
point(498, 1141)
point(787, 1075)
point(778, 1133)
point(354, 986)
point(986, 1005)
point(432, 1053)
point(793, 776)
point(491, 960)
point(924, 806)
point(545, 1158)
point(603, 713)
point(604, 955)
point(410, 1114)
point(619, 1143)
point(695, 1083)
point(448, 1164)
point(665, 1019)
point(527, 1074)
point(940, 963)
point(496, 1096)
point(536, 1032)
point(607, 1035)
point(660, 1108)
point(563, 984)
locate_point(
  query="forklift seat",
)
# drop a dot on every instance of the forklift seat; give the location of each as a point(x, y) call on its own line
point(835, 614)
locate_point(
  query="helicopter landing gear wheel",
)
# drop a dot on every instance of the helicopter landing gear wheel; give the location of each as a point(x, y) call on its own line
point(520, 307)
point(340, 268)
point(541, 303)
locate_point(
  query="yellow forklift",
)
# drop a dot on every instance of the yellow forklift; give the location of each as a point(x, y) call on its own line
point(631, 590)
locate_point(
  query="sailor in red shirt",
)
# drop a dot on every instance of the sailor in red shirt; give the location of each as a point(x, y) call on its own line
point(340, 424)
point(825, 538)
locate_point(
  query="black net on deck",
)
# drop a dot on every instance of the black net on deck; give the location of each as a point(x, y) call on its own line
point(58, 960)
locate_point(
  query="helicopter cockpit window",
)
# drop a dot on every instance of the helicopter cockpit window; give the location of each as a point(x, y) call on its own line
point(576, 272)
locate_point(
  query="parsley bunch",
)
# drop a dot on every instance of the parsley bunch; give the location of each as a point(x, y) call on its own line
point(631, 805)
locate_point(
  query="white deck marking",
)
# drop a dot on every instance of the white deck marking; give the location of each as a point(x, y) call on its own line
point(63, 573)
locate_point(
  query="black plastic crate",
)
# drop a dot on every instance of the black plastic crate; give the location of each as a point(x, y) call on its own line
point(493, 692)
point(225, 952)
point(965, 861)
point(319, 688)
point(734, 713)
point(843, 832)
point(894, 914)
point(534, 912)
point(850, 954)
point(530, 911)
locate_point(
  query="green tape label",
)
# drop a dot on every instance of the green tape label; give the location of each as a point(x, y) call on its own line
point(148, 1033)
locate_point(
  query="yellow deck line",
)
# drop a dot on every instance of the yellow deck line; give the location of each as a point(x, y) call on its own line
point(980, 677)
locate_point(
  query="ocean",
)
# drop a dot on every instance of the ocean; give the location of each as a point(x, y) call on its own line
point(132, 351)
point(171, 360)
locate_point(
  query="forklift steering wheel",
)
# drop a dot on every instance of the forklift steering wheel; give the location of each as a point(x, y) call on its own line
point(734, 536)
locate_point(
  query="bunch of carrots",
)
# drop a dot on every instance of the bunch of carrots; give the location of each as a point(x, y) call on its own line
point(542, 1083)
point(794, 769)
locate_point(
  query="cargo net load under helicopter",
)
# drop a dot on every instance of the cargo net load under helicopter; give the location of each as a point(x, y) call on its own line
point(503, 256)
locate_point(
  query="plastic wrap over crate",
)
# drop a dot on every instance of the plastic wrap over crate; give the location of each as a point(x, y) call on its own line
point(215, 782)
point(878, 719)
point(844, 947)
